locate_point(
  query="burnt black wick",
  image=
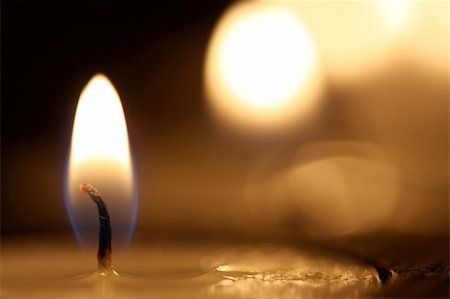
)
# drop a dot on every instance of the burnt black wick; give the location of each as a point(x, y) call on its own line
point(104, 237)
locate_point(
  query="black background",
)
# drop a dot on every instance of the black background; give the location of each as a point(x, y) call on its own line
point(50, 50)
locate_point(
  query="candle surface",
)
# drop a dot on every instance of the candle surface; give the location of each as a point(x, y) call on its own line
point(46, 266)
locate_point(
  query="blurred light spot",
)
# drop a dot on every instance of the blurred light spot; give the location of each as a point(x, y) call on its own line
point(261, 67)
point(396, 13)
point(330, 188)
point(354, 38)
point(360, 192)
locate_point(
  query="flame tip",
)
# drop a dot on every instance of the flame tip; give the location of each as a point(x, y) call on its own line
point(100, 74)
point(100, 77)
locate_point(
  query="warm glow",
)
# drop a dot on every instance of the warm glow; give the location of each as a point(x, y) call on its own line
point(260, 67)
point(357, 39)
point(395, 12)
point(100, 156)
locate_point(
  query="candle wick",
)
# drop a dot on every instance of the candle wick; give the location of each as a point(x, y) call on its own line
point(104, 237)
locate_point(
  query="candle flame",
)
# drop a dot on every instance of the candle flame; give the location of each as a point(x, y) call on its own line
point(100, 155)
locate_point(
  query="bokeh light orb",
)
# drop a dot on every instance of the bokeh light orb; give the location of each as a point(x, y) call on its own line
point(262, 69)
